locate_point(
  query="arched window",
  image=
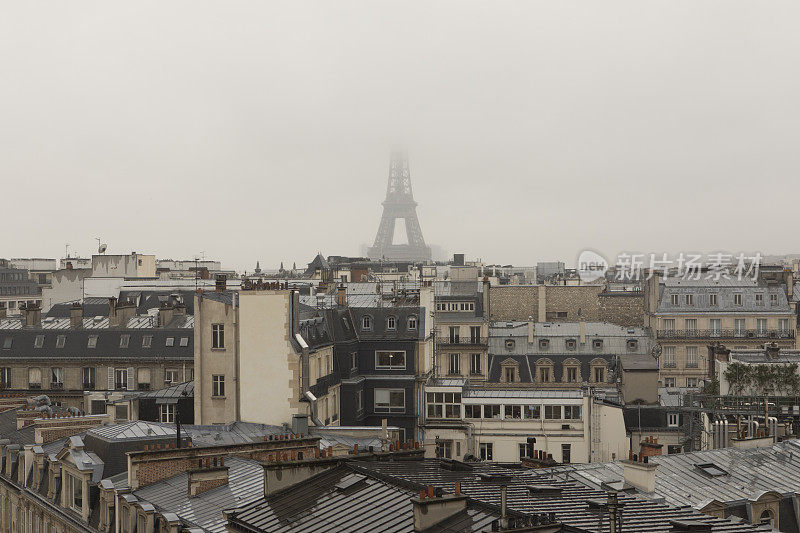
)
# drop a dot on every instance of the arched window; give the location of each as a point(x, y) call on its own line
point(366, 322)
point(412, 322)
point(391, 323)
point(767, 518)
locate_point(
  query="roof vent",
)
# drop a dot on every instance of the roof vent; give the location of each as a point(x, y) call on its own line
point(454, 465)
point(711, 470)
point(544, 490)
point(494, 477)
point(349, 482)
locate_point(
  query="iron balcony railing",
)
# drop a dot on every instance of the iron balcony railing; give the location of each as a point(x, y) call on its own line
point(475, 341)
point(725, 334)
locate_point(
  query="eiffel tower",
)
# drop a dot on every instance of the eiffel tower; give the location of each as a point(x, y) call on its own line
point(399, 203)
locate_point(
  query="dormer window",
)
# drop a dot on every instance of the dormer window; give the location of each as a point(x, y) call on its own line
point(366, 322)
point(597, 344)
point(170, 341)
point(38, 342)
point(510, 344)
point(391, 323)
point(92, 343)
point(544, 344)
point(632, 344)
point(571, 344)
point(124, 340)
point(675, 299)
point(412, 322)
point(60, 340)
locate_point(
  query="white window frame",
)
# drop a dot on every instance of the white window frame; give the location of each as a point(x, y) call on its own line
point(166, 413)
point(381, 406)
point(391, 366)
point(218, 386)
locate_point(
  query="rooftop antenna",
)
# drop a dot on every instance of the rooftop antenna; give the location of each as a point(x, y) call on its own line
point(101, 247)
point(67, 250)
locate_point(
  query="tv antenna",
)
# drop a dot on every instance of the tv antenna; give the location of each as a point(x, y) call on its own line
point(101, 247)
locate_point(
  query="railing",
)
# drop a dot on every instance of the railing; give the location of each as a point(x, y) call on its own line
point(475, 341)
point(725, 334)
point(88, 385)
point(55, 385)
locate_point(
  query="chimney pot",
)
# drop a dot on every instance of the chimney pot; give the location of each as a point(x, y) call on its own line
point(457, 488)
point(430, 491)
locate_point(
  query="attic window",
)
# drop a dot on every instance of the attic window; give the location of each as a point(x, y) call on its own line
point(712, 470)
point(92, 343)
point(38, 342)
point(632, 344)
point(346, 324)
point(147, 341)
point(366, 322)
point(184, 341)
point(7, 343)
point(412, 322)
point(60, 340)
point(124, 340)
point(571, 344)
point(510, 344)
point(597, 344)
point(170, 341)
point(391, 323)
point(544, 344)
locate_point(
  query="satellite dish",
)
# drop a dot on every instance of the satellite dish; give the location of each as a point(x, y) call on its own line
point(102, 248)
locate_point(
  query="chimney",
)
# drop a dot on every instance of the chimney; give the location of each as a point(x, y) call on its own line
point(772, 350)
point(221, 283)
point(486, 288)
point(300, 424)
point(341, 295)
point(582, 330)
point(165, 314)
point(120, 312)
point(432, 507)
point(640, 474)
point(209, 474)
point(69, 265)
point(30, 314)
point(530, 329)
point(76, 315)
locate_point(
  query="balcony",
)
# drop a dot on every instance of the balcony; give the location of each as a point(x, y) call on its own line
point(88, 385)
point(463, 341)
point(681, 334)
point(56, 385)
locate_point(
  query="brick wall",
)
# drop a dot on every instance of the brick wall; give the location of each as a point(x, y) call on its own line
point(513, 302)
point(562, 303)
point(623, 309)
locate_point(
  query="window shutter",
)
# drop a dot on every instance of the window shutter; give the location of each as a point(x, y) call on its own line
point(110, 378)
point(143, 375)
point(131, 378)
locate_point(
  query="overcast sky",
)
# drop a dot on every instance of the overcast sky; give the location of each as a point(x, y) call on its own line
point(262, 130)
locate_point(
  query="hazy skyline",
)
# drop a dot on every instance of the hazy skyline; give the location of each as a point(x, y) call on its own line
point(262, 131)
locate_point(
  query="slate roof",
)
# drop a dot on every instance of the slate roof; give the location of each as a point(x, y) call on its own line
point(563, 329)
point(8, 429)
point(571, 506)
point(725, 289)
point(527, 364)
point(245, 485)
point(680, 482)
point(379, 329)
point(360, 503)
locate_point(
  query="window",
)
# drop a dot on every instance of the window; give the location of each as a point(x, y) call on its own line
point(444, 404)
point(513, 412)
point(673, 420)
point(167, 413)
point(455, 333)
point(691, 383)
point(444, 448)
point(390, 401)
point(7, 343)
point(544, 344)
point(674, 448)
point(56, 378)
point(759, 299)
point(360, 401)
point(170, 377)
point(218, 336)
point(124, 340)
point(38, 342)
point(712, 300)
point(761, 326)
point(120, 412)
point(147, 341)
point(472, 411)
point(599, 374)
point(366, 323)
point(523, 450)
point(509, 374)
point(60, 341)
point(669, 356)
point(597, 344)
point(218, 385)
point(5, 378)
point(392, 360)
point(533, 412)
point(669, 324)
point(34, 378)
point(475, 334)
point(566, 453)
point(143, 378)
point(455, 364)
point(475, 364)
point(170, 342)
point(572, 374)
point(486, 451)
point(544, 374)
point(74, 488)
point(773, 300)
point(632, 345)
point(552, 412)
point(184, 341)
point(690, 299)
point(715, 327)
point(675, 299)
point(88, 377)
point(354, 360)
point(572, 412)
point(391, 323)
point(783, 325)
point(510, 344)
point(92, 342)
point(738, 326)
point(691, 357)
point(691, 326)
point(737, 299)
point(669, 382)
point(121, 378)
point(491, 411)
point(571, 344)
point(412, 322)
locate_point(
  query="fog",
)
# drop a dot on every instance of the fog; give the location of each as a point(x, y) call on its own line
point(262, 130)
